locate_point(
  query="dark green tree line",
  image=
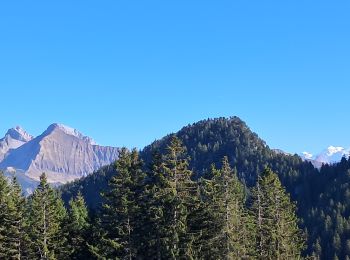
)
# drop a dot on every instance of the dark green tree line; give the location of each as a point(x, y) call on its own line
point(36, 228)
point(182, 218)
point(162, 211)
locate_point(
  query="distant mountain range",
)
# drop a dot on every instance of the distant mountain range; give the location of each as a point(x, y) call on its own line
point(330, 155)
point(63, 153)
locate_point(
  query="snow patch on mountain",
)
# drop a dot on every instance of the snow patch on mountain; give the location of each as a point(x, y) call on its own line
point(330, 155)
point(307, 155)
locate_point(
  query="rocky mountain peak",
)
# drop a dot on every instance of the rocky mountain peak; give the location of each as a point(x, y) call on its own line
point(62, 152)
point(55, 127)
point(18, 133)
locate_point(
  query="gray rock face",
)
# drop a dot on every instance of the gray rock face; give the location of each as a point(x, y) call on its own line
point(14, 138)
point(61, 152)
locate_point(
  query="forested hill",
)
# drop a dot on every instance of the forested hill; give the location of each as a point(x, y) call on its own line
point(322, 197)
point(328, 216)
point(207, 142)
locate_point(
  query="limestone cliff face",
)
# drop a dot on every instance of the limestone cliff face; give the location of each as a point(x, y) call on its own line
point(62, 153)
point(14, 138)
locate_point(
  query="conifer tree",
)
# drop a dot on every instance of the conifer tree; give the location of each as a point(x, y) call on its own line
point(157, 194)
point(202, 222)
point(168, 200)
point(227, 229)
point(18, 240)
point(45, 223)
point(78, 228)
point(278, 235)
point(120, 210)
point(5, 216)
point(13, 238)
point(175, 169)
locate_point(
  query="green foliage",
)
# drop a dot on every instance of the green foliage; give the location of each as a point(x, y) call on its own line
point(78, 228)
point(120, 210)
point(185, 208)
point(12, 223)
point(278, 235)
point(170, 193)
point(46, 215)
point(226, 228)
point(178, 218)
point(39, 227)
point(327, 218)
point(4, 214)
point(206, 143)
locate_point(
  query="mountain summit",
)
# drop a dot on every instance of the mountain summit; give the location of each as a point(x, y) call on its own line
point(14, 138)
point(330, 155)
point(62, 152)
point(18, 133)
point(69, 131)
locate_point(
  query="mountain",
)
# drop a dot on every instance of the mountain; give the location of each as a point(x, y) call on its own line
point(207, 142)
point(63, 153)
point(330, 155)
point(322, 196)
point(14, 138)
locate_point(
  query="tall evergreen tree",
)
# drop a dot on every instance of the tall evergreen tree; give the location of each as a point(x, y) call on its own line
point(203, 223)
point(5, 216)
point(175, 169)
point(278, 235)
point(168, 204)
point(78, 228)
point(46, 217)
point(120, 210)
point(157, 195)
point(227, 229)
point(17, 236)
point(172, 195)
point(12, 221)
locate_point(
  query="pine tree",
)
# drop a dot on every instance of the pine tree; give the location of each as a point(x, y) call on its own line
point(234, 232)
point(5, 216)
point(317, 249)
point(13, 238)
point(45, 221)
point(181, 188)
point(278, 235)
point(203, 222)
point(157, 195)
point(226, 228)
point(78, 228)
point(120, 210)
point(18, 240)
point(167, 204)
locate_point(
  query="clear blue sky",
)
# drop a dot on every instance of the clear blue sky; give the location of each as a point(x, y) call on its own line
point(129, 72)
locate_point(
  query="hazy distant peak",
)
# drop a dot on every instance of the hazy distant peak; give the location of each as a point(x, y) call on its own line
point(18, 133)
point(334, 149)
point(69, 131)
point(307, 155)
point(332, 154)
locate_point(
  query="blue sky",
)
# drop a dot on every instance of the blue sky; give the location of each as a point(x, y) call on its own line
point(129, 72)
